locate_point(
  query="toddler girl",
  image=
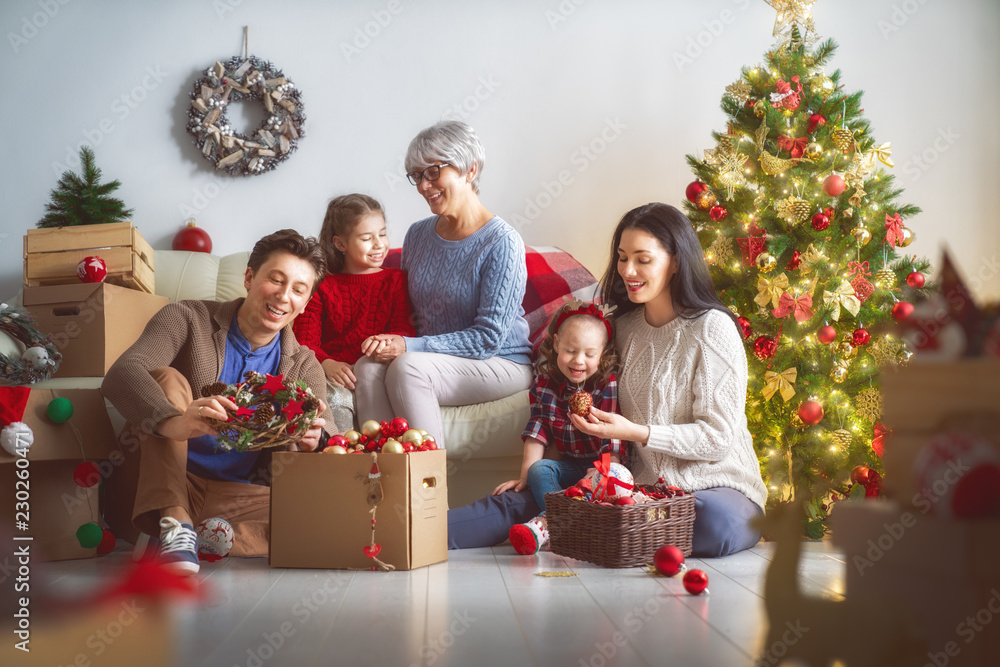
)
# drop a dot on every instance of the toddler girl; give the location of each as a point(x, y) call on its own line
point(357, 300)
point(575, 363)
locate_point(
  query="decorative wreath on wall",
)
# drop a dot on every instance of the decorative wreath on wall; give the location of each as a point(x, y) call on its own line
point(40, 359)
point(245, 79)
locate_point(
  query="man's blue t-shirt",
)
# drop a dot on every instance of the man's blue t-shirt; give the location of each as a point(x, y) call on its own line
point(205, 457)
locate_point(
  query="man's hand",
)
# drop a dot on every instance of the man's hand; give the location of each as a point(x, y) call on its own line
point(516, 484)
point(192, 422)
point(310, 441)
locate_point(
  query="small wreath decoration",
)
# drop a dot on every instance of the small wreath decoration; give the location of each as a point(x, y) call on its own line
point(245, 79)
point(40, 359)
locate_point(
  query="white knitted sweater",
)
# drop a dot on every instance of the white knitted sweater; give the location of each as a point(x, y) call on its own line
point(688, 381)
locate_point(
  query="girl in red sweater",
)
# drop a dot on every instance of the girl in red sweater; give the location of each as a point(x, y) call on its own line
point(357, 300)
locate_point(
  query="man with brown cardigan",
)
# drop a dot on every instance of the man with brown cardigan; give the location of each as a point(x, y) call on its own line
point(173, 474)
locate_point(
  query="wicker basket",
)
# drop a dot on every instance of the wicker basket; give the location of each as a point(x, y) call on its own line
point(618, 535)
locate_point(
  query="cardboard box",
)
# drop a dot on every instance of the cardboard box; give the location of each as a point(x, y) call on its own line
point(921, 400)
point(320, 516)
point(51, 255)
point(90, 323)
point(944, 570)
point(56, 505)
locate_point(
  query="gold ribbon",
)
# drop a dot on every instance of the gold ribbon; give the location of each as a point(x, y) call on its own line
point(780, 382)
point(770, 291)
point(843, 297)
point(884, 154)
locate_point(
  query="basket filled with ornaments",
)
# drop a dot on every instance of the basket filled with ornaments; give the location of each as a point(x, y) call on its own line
point(270, 412)
point(608, 520)
point(390, 437)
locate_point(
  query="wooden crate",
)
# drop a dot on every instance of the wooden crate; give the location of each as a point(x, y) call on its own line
point(51, 255)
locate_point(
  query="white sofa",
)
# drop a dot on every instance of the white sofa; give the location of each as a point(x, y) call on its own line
point(484, 443)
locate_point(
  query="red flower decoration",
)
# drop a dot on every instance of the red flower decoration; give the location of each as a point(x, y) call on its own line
point(794, 146)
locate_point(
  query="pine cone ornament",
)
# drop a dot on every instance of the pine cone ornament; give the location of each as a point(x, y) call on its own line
point(214, 389)
point(793, 210)
point(263, 414)
point(580, 403)
point(843, 139)
point(885, 278)
point(842, 437)
point(311, 405)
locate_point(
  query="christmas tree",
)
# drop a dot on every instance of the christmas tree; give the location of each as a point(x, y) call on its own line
point(801, 229)
point(83, 199)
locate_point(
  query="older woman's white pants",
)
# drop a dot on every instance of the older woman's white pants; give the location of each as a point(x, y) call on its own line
point(415, 385)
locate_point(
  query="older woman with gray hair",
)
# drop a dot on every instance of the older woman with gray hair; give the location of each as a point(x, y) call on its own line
point(467, 276)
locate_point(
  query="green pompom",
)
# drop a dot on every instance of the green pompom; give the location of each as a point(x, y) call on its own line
point(59, 410)
point(89, 535)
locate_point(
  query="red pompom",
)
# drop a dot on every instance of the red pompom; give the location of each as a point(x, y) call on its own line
point(820, 221)
point(745, 327)
point(693, 189)
point(668, 560)
point(764, 347)
point(92, 270)
point(718, 213)
point(915, 280)
point(193, 239)
point(826, 334)
point(834, 185)
point(902, 311)
point(107, 544)
point(86, 475)
point(811, 412)
point(695, 582)
point(860, 338)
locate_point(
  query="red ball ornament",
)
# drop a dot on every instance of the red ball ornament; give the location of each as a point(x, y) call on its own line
point(695, 582)
point(820, 221)
point(915, 280)
point(92, 270)
point(193, 239)
point(860, 475)
point(745, 327)
point(764, 347)
point(902, 311)
point(692, 190)
point(826, 334)
point(398, 427)
point(86, 475)
point(625, 500)
point(860, 338)
point(718, 213)
point(668, 560)
point(811, 412)
point(107, 544)
point(834, 185)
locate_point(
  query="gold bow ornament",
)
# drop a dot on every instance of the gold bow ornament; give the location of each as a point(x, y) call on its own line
point(770, 291)
point(780, 382)
point(843, 297)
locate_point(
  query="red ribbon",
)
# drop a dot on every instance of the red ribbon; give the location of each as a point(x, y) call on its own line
point(878, 442)
point(603, 466)
point(794, 146)
point(801, 307)
point(894, 230)
point(858, 269)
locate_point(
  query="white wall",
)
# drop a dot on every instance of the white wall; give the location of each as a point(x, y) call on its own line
point(930, 69)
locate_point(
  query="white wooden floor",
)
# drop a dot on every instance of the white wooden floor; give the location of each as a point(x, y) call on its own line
point(483, 607)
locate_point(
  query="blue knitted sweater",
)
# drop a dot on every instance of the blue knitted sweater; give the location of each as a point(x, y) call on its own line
point(467, 294)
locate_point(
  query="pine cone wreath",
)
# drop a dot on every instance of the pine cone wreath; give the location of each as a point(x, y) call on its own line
point(263, 414)
point(214, 389)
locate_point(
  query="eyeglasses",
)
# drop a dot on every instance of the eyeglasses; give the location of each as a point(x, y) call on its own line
point(431, 173)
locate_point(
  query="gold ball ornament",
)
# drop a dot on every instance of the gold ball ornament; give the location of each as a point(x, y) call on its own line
point(861, 235)
point(371, 428)
point(814, 150)
point(904, 354)
point(760, 108)
point(335, 449)
point(843, 139)
point(797, 421)
point(845, 349)
point(839, 373)
point(907, 238)
point(766, 262)
point(393, 447)
point(422, 432)
point(413, 437)
point(352, 437)
point(842, 437)
point(705, 200)
point(822, 86)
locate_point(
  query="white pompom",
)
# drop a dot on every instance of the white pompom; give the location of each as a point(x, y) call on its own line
point(37, 356)
point(16, 438)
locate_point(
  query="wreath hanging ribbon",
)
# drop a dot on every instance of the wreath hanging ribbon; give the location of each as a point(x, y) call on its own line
point(780, 382)
point(603, 465)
